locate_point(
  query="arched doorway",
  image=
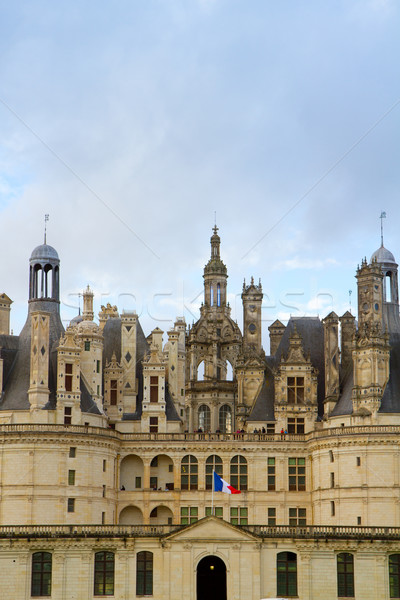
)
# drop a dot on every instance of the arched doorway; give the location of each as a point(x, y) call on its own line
point(211, 579)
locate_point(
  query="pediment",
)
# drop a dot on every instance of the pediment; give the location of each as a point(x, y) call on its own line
point(212, 528)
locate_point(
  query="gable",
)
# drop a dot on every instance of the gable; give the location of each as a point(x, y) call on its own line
point(212, 528)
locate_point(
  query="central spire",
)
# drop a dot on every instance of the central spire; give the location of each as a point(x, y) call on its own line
point(215, 274)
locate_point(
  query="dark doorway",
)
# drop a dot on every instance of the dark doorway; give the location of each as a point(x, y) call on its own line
point(211, 579)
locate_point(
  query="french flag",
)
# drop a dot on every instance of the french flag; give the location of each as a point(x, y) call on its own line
point(220, 485)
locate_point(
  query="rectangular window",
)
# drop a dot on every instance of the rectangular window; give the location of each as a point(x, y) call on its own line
point(345, 575)
point(72, 452)
point(286, 567)
point(297, 474)
point(189, 514)
point(358, 520)
point(87, 346)
point(113, 392)
point(332, 480)
point(394, 575)
point(41, 574)
point(68, 377)
point(97, 366)
point(153, 424)
point(271, 474)
point(153, 388)
point(144, 574)
point(358, 461)
point(270, 428)
point(332, 508)
point(297, 516)
point(295, 390)
point(295, 425)
point(71, 477)
point(331, 457)
point(170, 468)
point(153, 483)
point(67, 415)
point(218, 511)
point(71, 505)
point(103, 518)
point(271, 517)
point(104, 491)
point(104, 574)
point(104, 466)
point(239, 515)
point(138, 482)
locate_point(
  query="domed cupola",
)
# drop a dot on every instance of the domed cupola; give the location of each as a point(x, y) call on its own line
point(44, 274)
point(388, 265)
point(383, 255)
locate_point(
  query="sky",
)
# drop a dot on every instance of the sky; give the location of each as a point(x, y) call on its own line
point(136, 124)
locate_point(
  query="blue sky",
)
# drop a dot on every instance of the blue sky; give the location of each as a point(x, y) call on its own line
point(131, 123)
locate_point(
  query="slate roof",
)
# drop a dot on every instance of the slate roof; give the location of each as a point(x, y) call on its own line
point(16, 351)
point(391, 395)
point(312, 334)
point(311, 331)
point(263, 409)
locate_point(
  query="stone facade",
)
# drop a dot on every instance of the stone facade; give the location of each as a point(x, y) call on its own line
point(109, 440)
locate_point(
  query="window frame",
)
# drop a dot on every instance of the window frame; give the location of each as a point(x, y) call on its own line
point(295, 389)
point(394, 575)
point(213, 463)
point(102, 572)
point(42, 587)
point(189, 515)
point(345, 578)
point(239, 515)
point(239, 476)
point(297, 474)
point(189, 473)
point(286, 565)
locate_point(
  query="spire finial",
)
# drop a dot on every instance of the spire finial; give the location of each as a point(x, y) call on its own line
point(383, 216)
point(46, 218)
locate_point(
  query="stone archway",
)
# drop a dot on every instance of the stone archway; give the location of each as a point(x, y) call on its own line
point(211, 579)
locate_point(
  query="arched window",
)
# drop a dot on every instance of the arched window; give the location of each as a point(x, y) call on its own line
point(394, 575)
point(229, 371)
point(104, 574)
point(225, 419)
point(204, 417)
point(211, 296)
point(144, 574)
point(286, 567)
point(213, 463)
point(218, 294)
point(200, 371)
point(388, 287)
point(41, 574)
point(189, 472)
point(345, 574)
point(238, 477)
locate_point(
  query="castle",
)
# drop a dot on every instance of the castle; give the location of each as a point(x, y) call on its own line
point(109, 440)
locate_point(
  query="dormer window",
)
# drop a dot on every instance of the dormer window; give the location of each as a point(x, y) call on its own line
point(153, 388)
point(68, 377)
point(295, 390)
point(113, 392)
